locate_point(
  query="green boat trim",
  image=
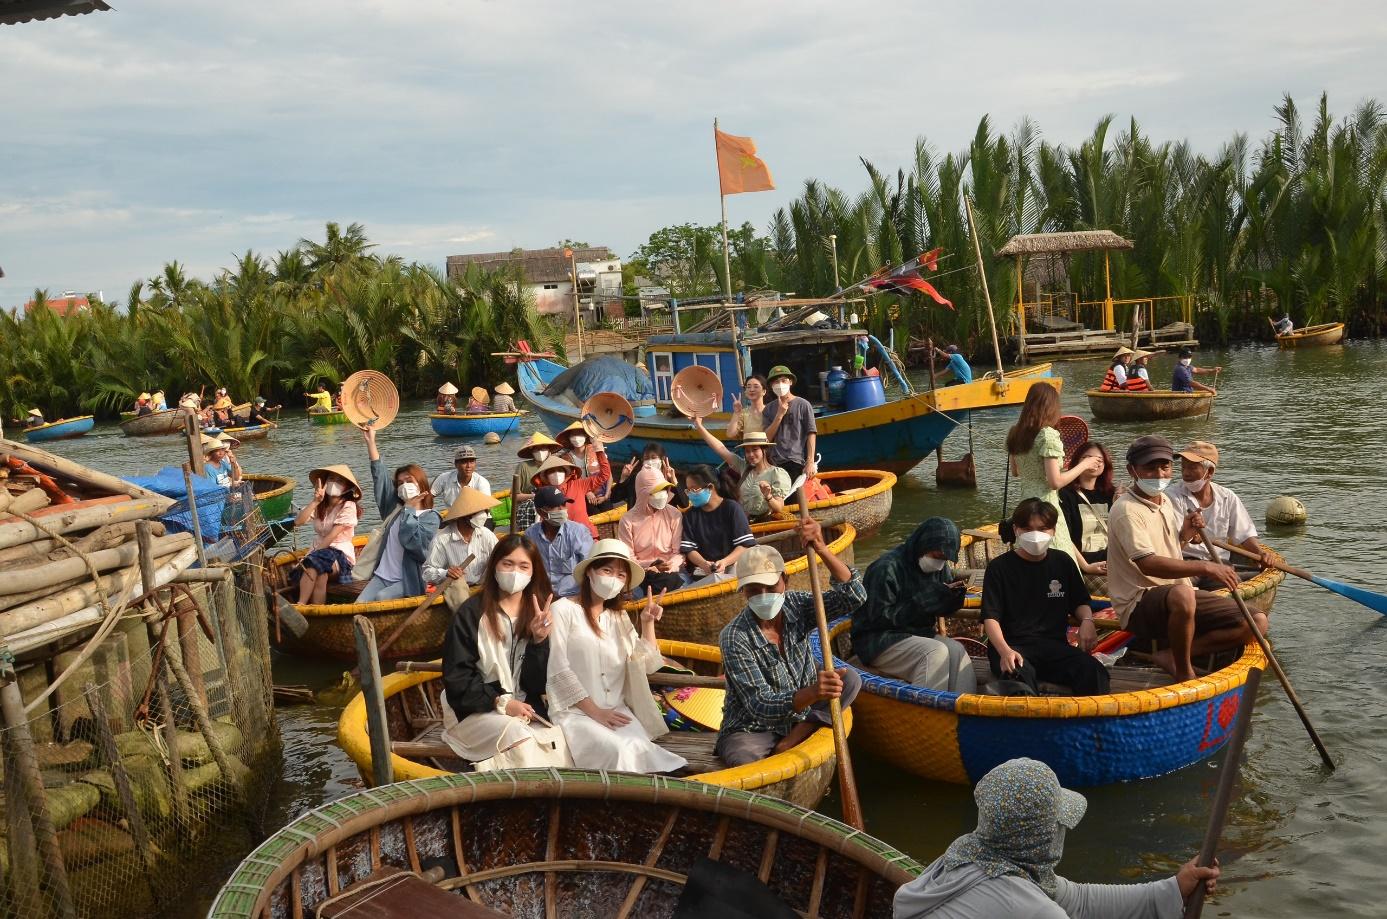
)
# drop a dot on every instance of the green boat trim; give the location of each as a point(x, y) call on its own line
point(273, 493)
point(328, 417)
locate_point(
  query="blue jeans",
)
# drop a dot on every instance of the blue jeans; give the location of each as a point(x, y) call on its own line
point(376, 589)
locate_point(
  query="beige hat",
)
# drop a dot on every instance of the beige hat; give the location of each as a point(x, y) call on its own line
point(611, 548)
point(224, 442)
point(468, 502)
point(340, 470)
point(1139, 354)
point(448, 389)
point(1121, 351)
point(36, 413)
point(537, 440)
point(756, 439)
point(564, 437)
point(1200, 451)
point(143, 397)
point(759, 565)
point(479, 394)
point(504, 389)
point(555, 462)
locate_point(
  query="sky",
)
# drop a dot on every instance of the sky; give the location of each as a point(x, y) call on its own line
point(169, 130)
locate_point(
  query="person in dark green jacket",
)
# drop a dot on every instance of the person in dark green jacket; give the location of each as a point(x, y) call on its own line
point(908, 589)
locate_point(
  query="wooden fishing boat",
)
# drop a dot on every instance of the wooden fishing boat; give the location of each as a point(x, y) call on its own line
point(697, 614)
point(1157, 405)
point(861, 497)
point(169, 421)
point(1313, 336)
point(243, 411)
point(273, 493)
point(412, 702)
point(62, 429)
point(250, 432)
point(556, 842)
point(475, 425)
point(327, 417)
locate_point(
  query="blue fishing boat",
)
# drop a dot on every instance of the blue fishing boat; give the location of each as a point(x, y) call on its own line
point(63, 429)
point(879, 422)
point(475, 425)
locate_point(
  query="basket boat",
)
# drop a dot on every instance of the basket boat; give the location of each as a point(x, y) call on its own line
point(169, 421)
point(327, 417)
point(62, 429)
point(250, 432)
point(474, 425)
point(801, 776)
point(697, 614)
point(274, 494)
point(861, 497)
point(541, 842)
point(1313, 336)
point(1157, 405)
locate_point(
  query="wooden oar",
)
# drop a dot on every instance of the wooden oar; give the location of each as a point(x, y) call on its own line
point(1210, 412)
point(1373, 601)
point(847, 784)
point(1275, 666)
point(1232, 759)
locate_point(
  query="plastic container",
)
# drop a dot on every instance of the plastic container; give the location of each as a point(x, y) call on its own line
point(823, 385)
point(833, 386)
point(862, 392)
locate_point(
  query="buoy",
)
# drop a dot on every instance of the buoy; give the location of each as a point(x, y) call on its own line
point(492, 437)
point(1286, 510)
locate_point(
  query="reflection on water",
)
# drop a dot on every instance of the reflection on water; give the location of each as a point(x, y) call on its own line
point(1298, 841)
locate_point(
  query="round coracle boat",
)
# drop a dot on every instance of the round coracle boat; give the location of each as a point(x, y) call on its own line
point(698, 613)
point(544, 842)
point(62, 429)
point(273, 493)
point(1313, 336)
point(327, 417)
point(412, 705)
point(250, 432)
point(861, 497)
point(169, 421)
point(1156, 405)
point(474, 425)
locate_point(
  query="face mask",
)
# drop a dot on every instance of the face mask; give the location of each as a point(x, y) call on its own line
point(780, 389)
point(407, 491)
point(1035, 542)
point(652, 464)
point(930, 565)
point(700, 497)
point(1196, 486)
point(479, 519)
point(333, 489)
point(766, 606)
point(1152, 486)
point(1186, 361)
point(512, 581)
point(558, 516)
point(556, 478)
point(659, 500)
point(577, 440)
point(606, 586)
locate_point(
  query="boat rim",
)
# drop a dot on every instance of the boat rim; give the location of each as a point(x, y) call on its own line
point(286, 484)
point(476, 415)
point(53, 424)
point(1148, 394)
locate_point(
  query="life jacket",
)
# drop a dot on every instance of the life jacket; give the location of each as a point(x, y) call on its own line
point(1137, 384)
point(1110, 383)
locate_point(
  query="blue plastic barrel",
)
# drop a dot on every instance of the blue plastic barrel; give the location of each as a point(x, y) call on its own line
point(862, 392)
point(834, 384)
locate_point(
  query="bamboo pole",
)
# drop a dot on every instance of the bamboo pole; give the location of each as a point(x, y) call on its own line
point(50, 550)
point(192, 512)
point(368, 664)
point(22, 848)
point(106, 742)
point(235, 776)
point(726, 249)
point(1001, 383)
point(37, 577)
point(67, 469)
point(62, 521)
point(168, 726)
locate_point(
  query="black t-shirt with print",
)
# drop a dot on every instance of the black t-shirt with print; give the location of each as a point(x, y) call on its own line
point(1033, 600)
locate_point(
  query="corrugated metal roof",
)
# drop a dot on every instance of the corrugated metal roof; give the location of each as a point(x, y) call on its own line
point(13, 12)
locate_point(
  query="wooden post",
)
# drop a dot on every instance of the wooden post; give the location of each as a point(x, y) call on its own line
point(577, 309)
point(26, 763)
point(368, 664)
point(514, 502)
point(1001, 383)
point(1109, 322)
point(23, 874)
point(1021, 308)
point(194, 436)
point(168, 727)
point(233, 776)
point(144, 540)
point(244, 710)
point(726, 249)
point(106, 742)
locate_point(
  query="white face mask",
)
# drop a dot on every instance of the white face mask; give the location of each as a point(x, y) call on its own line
point(659, 500)
point(1186, 361)
point(540, 456)
point(606, 586)
point(556, 478)
point(1034, 541)
point(766, 606)
point(333, 489)
point(558, 516)
point(407, 491)
point(512, 581)
point(1196, 486)
point(1152, 486)
point(479, 519)
point(780, 389)
point(652, 464)
point(930, 565)
point(578, 440)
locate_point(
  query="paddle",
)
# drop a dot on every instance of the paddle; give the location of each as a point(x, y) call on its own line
point(1232, 759)
point(1373, 601)
point(1210, 412)
point(1275, 665)
point(852, 807)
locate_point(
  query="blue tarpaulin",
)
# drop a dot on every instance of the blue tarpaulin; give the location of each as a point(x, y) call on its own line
point(602, 374)
point(210, 497)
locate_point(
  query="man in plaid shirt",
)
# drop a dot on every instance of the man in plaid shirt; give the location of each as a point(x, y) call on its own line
point(776, 694)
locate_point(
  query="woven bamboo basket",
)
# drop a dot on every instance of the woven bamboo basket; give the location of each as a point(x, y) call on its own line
point(542, 842)
point(862, 497)
point(412, 700)
point(697, 614)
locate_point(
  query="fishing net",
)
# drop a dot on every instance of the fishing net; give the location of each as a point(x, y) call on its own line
point(145, 764)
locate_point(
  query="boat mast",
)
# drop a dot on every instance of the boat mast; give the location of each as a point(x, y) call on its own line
point(987, 295)
point(726, 250)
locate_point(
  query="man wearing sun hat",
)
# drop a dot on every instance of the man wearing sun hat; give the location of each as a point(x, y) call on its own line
point(34, 419)
point(464, 472)
point(142, 405)
point(777, 696)
point(219, 463)
point(463, 534)
point(502, 401)
point(1225, 515)
point(561, 542)
point(789, 421)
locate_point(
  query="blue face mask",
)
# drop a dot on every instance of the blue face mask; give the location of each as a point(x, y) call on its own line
point(700, 497)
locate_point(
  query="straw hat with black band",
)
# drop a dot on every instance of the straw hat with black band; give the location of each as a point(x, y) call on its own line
point(756, 439)
point(342, 471)
point(608, 550)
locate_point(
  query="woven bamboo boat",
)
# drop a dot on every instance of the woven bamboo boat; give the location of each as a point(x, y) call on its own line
point(169, 421)
point(327, 417)
point(697, 614)
point(273, 493)
point(557, 842)
point(861, 497)
point(801, 775)
point(1313, 336)
point(474, 425)
point(62, 429)
point(1157, 405)
point(250, 432)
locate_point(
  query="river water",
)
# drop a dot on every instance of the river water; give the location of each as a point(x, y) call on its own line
point(1299, 840)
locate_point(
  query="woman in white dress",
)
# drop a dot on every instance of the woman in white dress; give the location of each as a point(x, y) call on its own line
point(495, 662)
point(592, 690)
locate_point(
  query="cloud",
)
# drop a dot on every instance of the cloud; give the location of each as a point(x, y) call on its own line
point(169, 130)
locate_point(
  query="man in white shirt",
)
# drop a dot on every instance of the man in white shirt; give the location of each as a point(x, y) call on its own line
point(463, 537)
point(1225, 516)
point(464, 472)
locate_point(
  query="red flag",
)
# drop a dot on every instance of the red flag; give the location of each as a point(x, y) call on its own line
point(739, 168)
point(901, 282)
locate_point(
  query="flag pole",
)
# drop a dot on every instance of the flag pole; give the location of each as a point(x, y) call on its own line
point(722, 198)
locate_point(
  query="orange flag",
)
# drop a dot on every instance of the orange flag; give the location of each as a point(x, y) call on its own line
point(739, 168)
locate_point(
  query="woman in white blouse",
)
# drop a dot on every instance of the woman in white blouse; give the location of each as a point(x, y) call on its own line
point(591, 688)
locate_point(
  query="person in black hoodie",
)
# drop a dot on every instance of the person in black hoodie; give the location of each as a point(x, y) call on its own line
point(495, 662)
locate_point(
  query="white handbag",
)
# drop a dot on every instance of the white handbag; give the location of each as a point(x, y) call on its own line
point(639, 699)
point(539, 746)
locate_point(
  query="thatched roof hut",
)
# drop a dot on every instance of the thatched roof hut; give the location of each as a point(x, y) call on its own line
point(1028, 244)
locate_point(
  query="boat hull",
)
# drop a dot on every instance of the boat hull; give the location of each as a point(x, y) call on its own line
point(1315, 336)
point(253, 432)
point(1148, 406)
point(860, 497)
point(328, 417)
point(474, 425)
point(169, 421)
point(274, 494)
point(893, 437)
point(64, 429)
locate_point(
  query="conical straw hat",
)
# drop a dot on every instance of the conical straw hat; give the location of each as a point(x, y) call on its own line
point(369, 399)
point(448, 389)
point(504, 389)
point(538, 439)
point(696, 391)
point(469, 501)
point(607, 417)
point(480, 395)
point(555, 461)
point(339, 469)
